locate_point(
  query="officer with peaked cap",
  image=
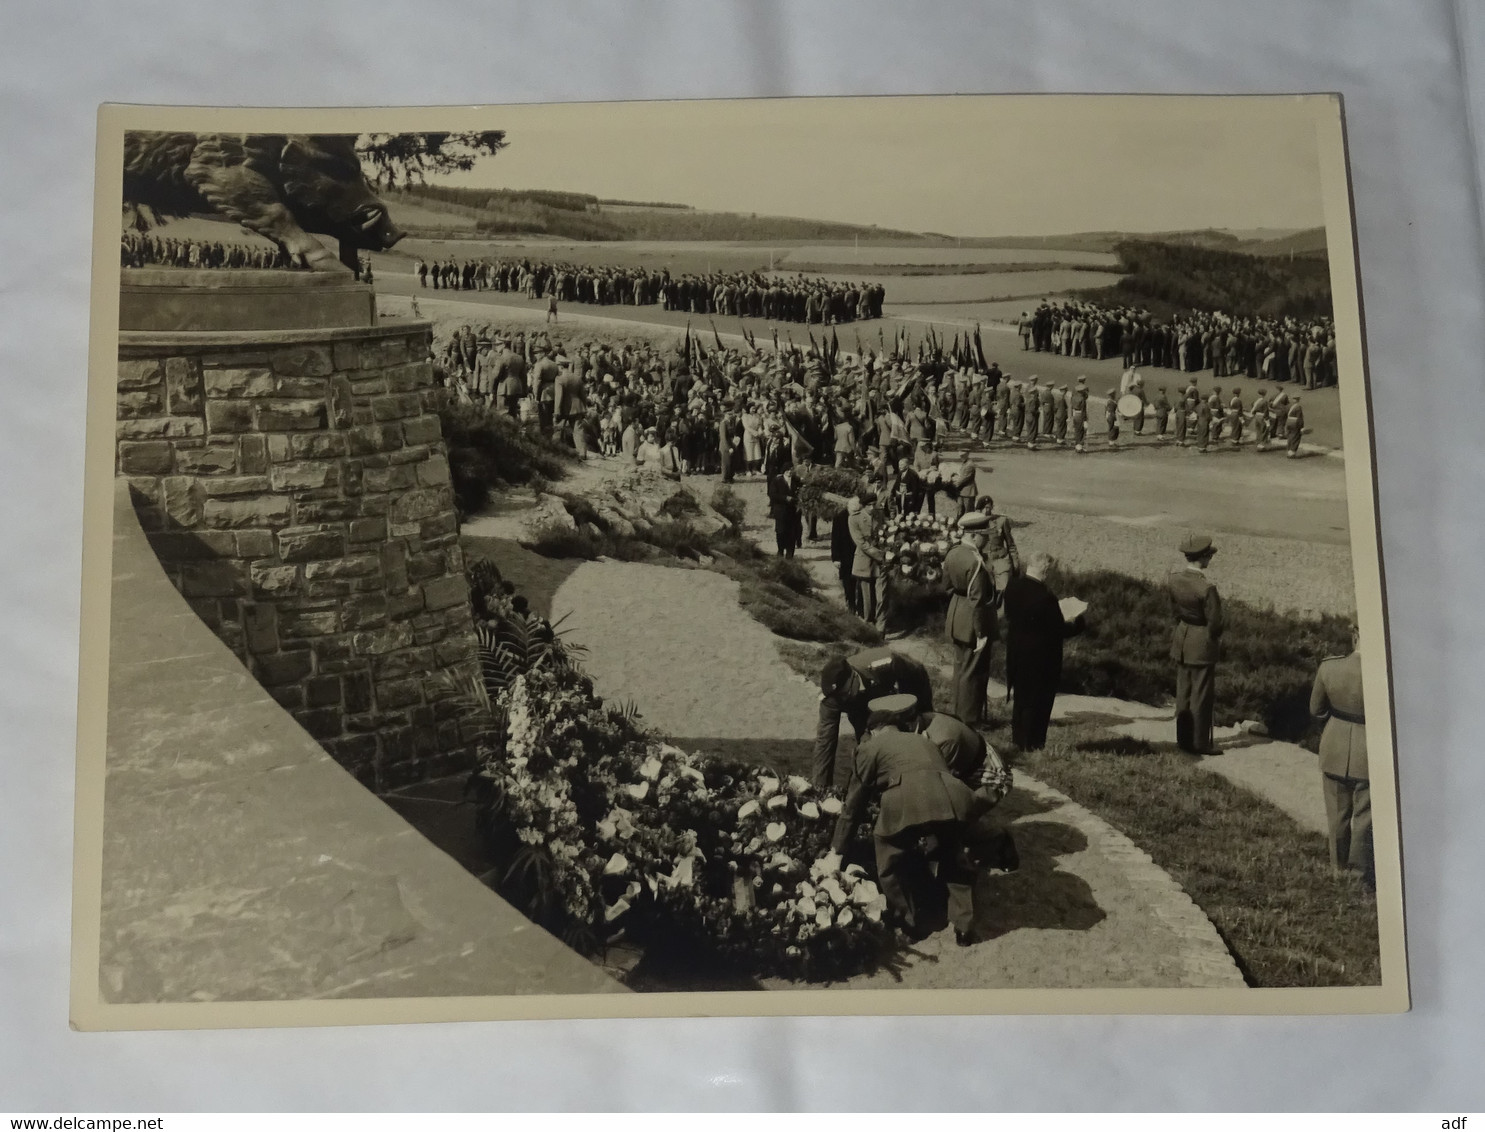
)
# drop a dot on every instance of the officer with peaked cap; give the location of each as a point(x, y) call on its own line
point(922, 823)
point(1195, 644)
point(848, 684)
point(970, 623)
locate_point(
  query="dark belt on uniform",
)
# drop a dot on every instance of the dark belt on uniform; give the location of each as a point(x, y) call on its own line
point(1347, 717)
point(1188, 621)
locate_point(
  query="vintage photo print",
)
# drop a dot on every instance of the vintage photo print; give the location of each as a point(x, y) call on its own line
point(802, 556)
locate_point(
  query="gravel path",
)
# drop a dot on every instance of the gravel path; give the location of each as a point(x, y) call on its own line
point(1087, 909)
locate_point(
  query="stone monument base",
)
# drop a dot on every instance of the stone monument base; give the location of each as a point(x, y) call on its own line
point(295, 485)
point(166, 298)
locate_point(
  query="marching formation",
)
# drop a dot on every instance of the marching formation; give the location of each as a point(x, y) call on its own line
point(751, 294)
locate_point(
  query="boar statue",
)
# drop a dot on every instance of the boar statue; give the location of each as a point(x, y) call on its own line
point(282, 186)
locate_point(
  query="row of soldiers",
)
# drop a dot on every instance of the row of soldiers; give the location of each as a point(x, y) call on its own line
point(737, 294)
point(1271, 349)
point(1033, 413)
point(138, 249)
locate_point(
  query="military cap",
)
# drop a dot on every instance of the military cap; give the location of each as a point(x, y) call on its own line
point(974, 521)
point(893, 705)
point(1193, 545)
point(834, 675)
point(1082, 380)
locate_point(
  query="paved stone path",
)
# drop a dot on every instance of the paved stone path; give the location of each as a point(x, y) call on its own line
point(1086, 909)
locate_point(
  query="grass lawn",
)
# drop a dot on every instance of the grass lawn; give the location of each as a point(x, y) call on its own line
point(1264, 882)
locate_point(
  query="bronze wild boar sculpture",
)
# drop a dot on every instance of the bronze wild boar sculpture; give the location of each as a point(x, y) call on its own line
point(282, 186)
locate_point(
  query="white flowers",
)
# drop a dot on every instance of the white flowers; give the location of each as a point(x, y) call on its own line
point(830, 805)
point(651, 768)
point(778, 802)
point(809, 810)
point(776, 830)
point(798, 785)
point(617, 864)
point(767, 786)
point(748, 808)
point(636, 790)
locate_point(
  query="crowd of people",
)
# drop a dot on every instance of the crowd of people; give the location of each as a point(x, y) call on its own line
point(740, 294)
point(738, 411)
point(141, 249)
point(1301, 351)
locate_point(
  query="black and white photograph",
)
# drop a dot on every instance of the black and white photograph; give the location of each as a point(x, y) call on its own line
point(787, 556)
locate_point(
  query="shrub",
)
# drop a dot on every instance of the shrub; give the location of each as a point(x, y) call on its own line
point(729, 505)
point(489, 450)
point(681, 505)
point(556, 540)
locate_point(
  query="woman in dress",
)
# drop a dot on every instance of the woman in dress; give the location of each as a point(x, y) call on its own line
point(752, 425)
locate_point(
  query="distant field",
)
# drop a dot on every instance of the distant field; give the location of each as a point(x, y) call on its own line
point(847, 254)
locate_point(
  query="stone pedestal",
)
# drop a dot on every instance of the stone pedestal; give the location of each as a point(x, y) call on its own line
point(295, 484)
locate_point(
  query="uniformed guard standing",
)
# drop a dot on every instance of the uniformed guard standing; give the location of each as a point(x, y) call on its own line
point(1183, 421)
point(970, 622)
point(1162, 412)
point(1263, 424)
point(1204, 423)
point(1059, 416)
point(847, 686)
point(1111, 416)
point(1336, 698)
point(1195, 645)
point(921, 826)
point(1294, 426)
point(1080, 414)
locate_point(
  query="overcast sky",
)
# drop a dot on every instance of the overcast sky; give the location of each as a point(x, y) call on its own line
point(963, 166)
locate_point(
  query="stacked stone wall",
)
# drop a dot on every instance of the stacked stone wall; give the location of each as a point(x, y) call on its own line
point(295, 485)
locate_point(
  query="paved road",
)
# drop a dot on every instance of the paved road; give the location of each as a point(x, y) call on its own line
point(1162, 486)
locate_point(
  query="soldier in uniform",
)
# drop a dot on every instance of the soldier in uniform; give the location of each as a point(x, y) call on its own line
point(1294, 426)
point(1336, 698)
point(1079, 405)
point(1234, 421)
point(1000, 546)
point(1111, 416)
point(1183, 420)
point(1162, 412)
point(848, 684)
point(1059, 416)
point(970, 623)
point(1204, 423)
point(1263, 425)
point(1017, 413)
point(1195, 645)
point(922, 823)
point(1030, 417)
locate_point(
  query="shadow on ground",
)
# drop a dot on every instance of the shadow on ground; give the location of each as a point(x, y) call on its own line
point(533, 575)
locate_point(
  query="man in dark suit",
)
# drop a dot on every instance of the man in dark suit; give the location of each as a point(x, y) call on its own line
point(1195, 645)
point(848, 684)
point(1035, 630)
point(970, 623)
point(783, 508)
point(843, 553)
point(1336, 698)
point(922, 822)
